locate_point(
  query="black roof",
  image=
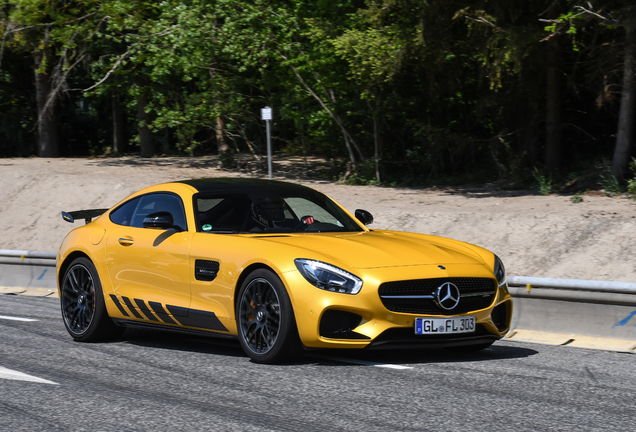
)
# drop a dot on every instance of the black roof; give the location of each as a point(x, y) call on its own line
point(222, 183)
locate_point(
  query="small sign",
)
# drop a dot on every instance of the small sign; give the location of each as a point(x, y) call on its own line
point(266, 113)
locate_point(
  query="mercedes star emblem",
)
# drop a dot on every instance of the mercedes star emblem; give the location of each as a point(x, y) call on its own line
point(447, 296)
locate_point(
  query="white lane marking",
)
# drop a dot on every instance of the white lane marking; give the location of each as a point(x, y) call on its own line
point(16, 318)
point(19, 376)
point(363, 362)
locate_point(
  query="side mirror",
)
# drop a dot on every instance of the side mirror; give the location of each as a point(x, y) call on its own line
point(160, 220)
point(364, 216)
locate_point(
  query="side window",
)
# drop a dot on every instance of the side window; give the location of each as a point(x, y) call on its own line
point(124, 214)
point(157, 202)
point(228, 212)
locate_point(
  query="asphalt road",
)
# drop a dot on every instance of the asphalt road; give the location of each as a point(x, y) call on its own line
point(149, 380)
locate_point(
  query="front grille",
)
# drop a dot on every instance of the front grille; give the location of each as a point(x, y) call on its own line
point(475, 294)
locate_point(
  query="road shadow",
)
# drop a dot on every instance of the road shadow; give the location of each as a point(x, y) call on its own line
point(170, 161)
point(483, 191)
point(284, 166)
point(150, 338)
point(405, 357)
point(177, 341)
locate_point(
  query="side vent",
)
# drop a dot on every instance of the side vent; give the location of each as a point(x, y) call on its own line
point(205, 270)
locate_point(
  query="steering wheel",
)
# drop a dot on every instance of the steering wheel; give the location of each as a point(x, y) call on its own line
point(304, 222)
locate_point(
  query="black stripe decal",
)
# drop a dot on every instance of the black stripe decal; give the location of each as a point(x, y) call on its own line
point(197, 318)
point(119, 306)
point(131, 307)
point(145, 310)
point(161, 313)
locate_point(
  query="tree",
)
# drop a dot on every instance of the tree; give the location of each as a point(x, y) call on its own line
point(55, 33)
point(627, 116)
point(613, 15)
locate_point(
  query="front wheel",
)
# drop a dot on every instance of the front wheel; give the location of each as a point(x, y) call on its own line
point(265, 319)
point(82, 302)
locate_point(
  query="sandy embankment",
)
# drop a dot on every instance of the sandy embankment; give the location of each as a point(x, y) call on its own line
point(534, 235)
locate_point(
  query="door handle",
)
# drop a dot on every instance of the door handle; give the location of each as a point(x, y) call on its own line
point(126, 241)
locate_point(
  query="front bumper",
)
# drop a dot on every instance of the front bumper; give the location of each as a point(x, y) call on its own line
point(332, 320)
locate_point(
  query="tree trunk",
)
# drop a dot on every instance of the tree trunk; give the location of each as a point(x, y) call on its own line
point(47, 126)
point(626, 119)
point(348, 139)
point(146, 138)
point(553, 106)
point(118, 126)
point(528, 118)
point(221, 145)
point(377, 147)
point(531, 143)
point(226, 158)
point(352, 158)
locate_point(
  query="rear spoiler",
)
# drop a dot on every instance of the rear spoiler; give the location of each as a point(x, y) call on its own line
point(87, 215)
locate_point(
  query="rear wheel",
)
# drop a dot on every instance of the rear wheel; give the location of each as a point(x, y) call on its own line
point(265, 319)
point(82, 302)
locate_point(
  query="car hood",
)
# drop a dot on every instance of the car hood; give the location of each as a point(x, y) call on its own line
point(376, 249)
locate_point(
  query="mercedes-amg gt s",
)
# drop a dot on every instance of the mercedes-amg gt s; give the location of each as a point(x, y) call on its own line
point(280, 267)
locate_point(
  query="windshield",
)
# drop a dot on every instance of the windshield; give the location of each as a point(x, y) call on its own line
point(270, 210)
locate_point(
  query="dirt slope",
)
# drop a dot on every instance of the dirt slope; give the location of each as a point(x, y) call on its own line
point(534, 235)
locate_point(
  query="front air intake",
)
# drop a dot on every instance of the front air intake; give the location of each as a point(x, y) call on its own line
point(337, 324)
point(500, 316)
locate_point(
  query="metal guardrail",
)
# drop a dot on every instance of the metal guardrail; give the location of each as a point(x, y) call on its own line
point(26, 257)
point(574, 284)
point(27, 254)
point(577, 290)
point(573, 290)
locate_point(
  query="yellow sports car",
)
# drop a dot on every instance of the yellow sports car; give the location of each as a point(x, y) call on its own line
point(279, 266)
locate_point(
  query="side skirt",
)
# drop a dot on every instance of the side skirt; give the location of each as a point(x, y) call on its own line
point(163, 327)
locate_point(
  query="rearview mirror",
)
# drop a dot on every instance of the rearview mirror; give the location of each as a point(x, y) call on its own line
point(159, 220)
point(364, 216)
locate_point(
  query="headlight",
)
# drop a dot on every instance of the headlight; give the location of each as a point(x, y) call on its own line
point(328, 277)
point(500, 271)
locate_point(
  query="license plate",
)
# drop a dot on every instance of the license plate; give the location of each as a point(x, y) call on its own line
point(465, 324)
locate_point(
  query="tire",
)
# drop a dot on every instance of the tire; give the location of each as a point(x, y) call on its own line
point(82, 302)
point(265, 319)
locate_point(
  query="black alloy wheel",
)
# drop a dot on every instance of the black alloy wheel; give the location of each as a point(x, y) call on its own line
point(266, 325)
point(78, 299)
point(82, 302)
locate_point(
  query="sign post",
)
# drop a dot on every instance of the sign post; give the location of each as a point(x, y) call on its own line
point(266, 114)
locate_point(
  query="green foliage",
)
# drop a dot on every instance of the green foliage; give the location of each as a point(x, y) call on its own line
point(441, 92)
point(364, 176)
point(610, 184)
point(576, 198)
point(545, 183)
point(226, 159)
point(16, 107)
point(631, 183)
